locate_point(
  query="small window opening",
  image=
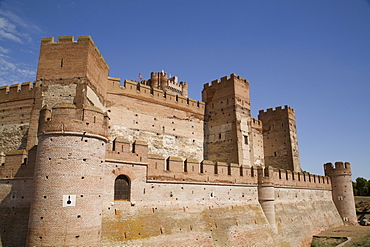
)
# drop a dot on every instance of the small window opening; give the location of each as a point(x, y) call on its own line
point(246, 140)
point(185, 165)
point(167, 164)
point(122, 188)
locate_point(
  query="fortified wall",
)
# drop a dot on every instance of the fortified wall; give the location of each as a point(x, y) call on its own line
point(89, 160)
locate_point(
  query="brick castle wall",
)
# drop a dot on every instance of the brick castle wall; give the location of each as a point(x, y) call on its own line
point(198, 172)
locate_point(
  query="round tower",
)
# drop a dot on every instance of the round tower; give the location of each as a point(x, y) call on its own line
point(342, 191)
point(266, 194)
point(67, 205)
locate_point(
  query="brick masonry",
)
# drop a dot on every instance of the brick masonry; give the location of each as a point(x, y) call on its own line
point(199, 172)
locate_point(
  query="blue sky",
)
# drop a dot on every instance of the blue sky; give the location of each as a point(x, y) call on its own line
point(312, 55)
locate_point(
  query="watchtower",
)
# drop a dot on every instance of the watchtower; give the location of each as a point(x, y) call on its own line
point(280, 138)
point(227, 113)
point(73, 62)
point(162, 81)
point(66, 208)
point(342, 191)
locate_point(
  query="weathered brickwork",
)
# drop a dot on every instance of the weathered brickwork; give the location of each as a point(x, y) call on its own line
point(86, 161)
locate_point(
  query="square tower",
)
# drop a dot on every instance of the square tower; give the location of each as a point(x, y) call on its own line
point(230, 134)
point(280, 138)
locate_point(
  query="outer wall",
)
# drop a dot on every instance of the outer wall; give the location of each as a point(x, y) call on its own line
point(198, 214)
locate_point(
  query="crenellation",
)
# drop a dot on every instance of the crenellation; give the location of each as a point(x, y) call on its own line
point(337, 168)
point(62, 39)
point(189, 171)
point(133, 88)
point(276, 110)
point(18, 91)
point(4, 90)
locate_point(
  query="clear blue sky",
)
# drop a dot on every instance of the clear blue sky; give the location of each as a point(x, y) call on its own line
point(312, 55)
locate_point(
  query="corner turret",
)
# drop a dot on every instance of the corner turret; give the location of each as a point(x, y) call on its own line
point(342, 190)
point(66, 206)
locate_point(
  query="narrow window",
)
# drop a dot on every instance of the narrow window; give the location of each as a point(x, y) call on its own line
point(61, 63)
point(246, 140)
point(114, 145)
point(185, 165)
point(122, 188)
point(167, 164)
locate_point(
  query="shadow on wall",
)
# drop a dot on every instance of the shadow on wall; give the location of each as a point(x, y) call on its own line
point(16, 193)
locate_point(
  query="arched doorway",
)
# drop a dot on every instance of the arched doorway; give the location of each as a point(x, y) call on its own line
point(122, 188)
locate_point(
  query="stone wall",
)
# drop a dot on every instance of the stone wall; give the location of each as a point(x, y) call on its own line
point(171, 125)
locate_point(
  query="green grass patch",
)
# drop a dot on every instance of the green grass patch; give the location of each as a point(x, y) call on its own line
point(363, 242)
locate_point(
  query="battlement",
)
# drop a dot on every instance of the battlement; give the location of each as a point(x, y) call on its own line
point(18, 91)
point(255, 123)
point(16, 164)
point(159, 74)
point(339, 168)
point(277, 110)
point(66, 118)
point(70, 39)
point(175, 81)
point(68, 58)
point(142, 91)
point(225, 79)
point(175, 169)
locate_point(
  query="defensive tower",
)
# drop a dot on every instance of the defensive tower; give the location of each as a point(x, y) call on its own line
point(162, 81)
point(227, 121)
point(342, 193)
point(280, 138)
point(76, 62)
point(266, 194)
point(67, 204)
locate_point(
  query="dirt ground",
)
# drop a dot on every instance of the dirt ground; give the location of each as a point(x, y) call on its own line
point(355, 233)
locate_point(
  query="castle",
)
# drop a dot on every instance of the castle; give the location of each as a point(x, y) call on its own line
point(88, 162)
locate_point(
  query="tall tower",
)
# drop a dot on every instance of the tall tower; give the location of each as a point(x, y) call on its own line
point(72, 135)
point(72, 65)
point(228, 125)
point(342, 190)
point(280, 138)
point(67, 204)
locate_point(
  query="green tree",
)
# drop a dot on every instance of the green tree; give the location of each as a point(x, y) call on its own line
point(362, 186)
point(355, 190)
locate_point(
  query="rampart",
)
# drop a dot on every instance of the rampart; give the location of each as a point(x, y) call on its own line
point(140, 91)
point(174, 169)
